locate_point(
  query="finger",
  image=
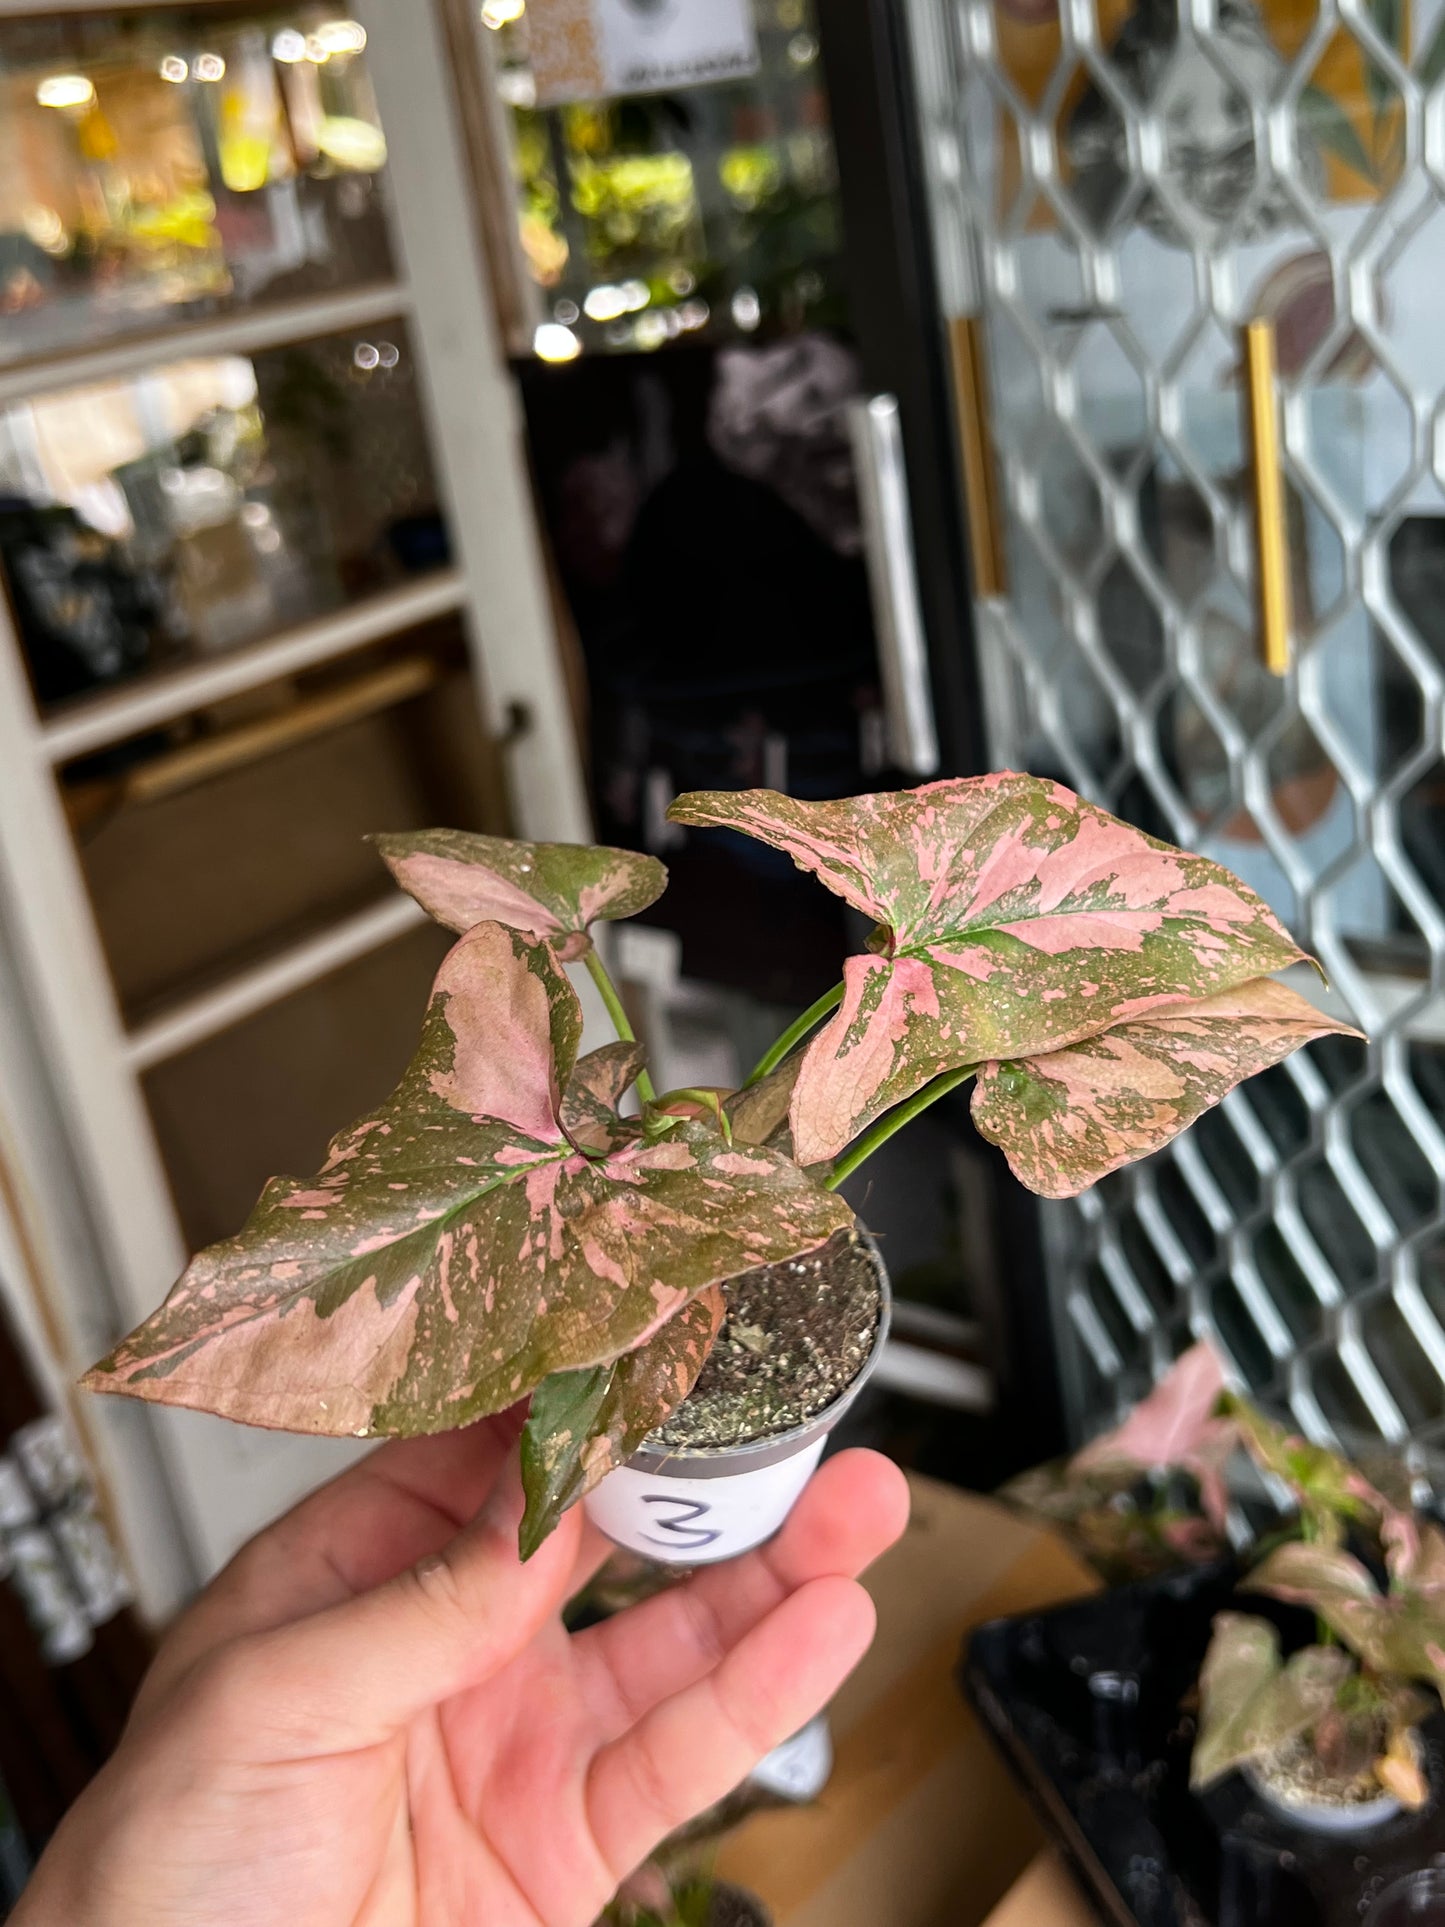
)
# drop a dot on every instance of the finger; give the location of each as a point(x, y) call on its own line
point(850, 1513)
point(358, 1670)
point(701, 1743)
point(401, 1503)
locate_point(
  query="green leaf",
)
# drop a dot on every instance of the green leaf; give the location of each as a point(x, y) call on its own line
point(1250, 1706)
point(1243, 1658)
point(1321, 115)
point(1330, 1490)
point(552, 890)
point(456, 1247)
point(1067, 1118)
point(582, 1424)
point(1013, 919)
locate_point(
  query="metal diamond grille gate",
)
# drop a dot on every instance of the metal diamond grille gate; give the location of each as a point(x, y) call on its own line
point(1192, 256)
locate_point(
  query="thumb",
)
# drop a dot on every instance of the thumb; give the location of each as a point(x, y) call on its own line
point(351, 1675)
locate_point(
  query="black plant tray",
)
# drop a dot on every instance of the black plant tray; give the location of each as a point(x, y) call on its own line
point(1084, 1701)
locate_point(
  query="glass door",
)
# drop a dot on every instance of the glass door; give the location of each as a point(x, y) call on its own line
point(1190, 258)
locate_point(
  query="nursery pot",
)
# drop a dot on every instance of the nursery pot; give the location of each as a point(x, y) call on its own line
point(1322, 1816)
point(695, 1505)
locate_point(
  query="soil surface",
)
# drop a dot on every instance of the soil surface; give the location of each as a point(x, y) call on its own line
point(1296, 1775)
point(794, 1337)
point(731, 1907)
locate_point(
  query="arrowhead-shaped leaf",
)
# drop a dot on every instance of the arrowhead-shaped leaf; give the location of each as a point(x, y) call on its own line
point(1250, 1706)
point(1400, 1632)
point(582, 1424)
point(552, 890)
point(1333, 1584)
point(1242, 1660)
point(1175, 1425)
point(1013, 919)
point(1067, 1118)
point(456, 1247)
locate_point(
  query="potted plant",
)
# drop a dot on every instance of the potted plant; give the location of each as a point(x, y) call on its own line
point(1328, 1734)
point(681, 1290)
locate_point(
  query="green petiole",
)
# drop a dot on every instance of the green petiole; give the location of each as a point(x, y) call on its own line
point(794, 1034)
point(607, 990)
point(880, 1132)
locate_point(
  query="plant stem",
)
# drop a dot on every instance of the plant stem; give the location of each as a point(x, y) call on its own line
point(880, 1132)
point(607, 990)
point(794, 1034)
point(710, 1099)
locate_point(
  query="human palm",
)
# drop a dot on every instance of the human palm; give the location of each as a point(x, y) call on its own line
point(375, 1718)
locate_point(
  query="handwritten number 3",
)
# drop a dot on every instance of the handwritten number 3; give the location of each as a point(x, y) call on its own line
point(680, 1530)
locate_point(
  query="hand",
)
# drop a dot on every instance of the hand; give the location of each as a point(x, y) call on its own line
point(374, 1718)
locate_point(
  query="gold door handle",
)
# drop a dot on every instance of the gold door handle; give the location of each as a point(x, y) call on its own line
point(1271, 529)
point(975, 447)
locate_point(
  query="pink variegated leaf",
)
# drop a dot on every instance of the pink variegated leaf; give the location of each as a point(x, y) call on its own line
point(1175, 1425)
point(1332, 1582)
point(1401, 1632)
point(551, 890)
point(1066, 1118)
point(1330, 1490)
point(457, 1247)
point(588, 1112)
point(1414, 1554)
point(582, 1424)
point(1013, 919)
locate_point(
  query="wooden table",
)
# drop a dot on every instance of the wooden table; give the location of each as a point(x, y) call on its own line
point(921, 1824)
point(1046, 1894)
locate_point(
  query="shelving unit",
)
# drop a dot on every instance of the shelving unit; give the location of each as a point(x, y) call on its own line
point(92, 1059)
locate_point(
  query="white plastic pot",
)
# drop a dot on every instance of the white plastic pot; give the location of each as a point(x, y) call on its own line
point(1322, 1816)
point(692, 1506)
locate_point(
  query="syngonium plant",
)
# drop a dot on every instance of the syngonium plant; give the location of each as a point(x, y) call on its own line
point(1349, 1701)
point(1353, 1699)
point(1352, 1703)
point(502, 1229)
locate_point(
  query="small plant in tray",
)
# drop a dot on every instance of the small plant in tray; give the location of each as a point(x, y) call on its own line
point(678, 1287)
point(1330, 1733)
point(1329, 1730)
